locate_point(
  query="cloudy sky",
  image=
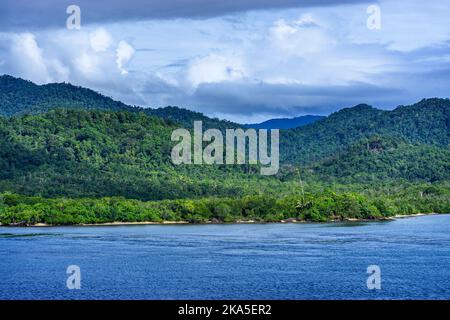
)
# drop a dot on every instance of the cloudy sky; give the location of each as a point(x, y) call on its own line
point(245, 60)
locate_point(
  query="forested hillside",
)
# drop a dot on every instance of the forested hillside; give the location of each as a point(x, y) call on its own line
point(427, 122)
point(98, 153)
point(59, 141)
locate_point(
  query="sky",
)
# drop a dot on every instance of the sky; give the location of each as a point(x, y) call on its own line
point(245, 61)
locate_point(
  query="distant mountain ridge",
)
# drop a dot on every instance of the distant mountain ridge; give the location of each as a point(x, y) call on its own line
point(285, 123)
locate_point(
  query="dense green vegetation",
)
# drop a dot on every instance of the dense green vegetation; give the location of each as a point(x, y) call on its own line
point(383, 158)
point(426, 122)
point(317, 205)
point(81, 153)
point(69, 155)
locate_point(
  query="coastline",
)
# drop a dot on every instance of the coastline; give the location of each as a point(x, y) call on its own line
point(286, 221)
point(112, 224)
point(399, 216)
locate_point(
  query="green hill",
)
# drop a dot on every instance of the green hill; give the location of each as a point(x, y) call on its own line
point(60, 141)
point(19, 97)
point(427, 122)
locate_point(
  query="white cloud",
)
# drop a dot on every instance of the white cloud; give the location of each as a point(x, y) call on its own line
point(216, 68)
point(25, 48)
point(87, 64)
point(100, 40)
point(124, 53)
point(58, 70)
point(301, 37)
point(27, 59)
point(63, 55)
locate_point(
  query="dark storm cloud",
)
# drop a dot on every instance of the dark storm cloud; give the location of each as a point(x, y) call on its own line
point(29, 15)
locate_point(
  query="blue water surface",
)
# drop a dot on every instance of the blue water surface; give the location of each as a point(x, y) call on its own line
point(259, 261)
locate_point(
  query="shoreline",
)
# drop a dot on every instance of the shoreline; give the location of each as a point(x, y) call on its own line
point(399, 216)
point(112, 224)
point(286, 221)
